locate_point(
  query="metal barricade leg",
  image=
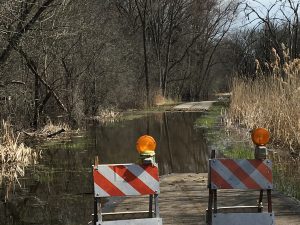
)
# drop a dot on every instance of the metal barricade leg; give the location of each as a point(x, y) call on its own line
point(95, 219)
point(150, 206)
point(215, 201)
point(259, 204)
point(209, 208)
point(156, 207)
point(269, 194)
point(97, 211)
point(212, 195)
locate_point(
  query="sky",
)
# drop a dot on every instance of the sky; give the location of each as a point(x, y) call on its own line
point(261, 7)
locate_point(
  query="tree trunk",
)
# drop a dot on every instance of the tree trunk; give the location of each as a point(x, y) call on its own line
point(146, 66)
point(94, 100)
point(36, 101)
point(31, 66)
point(142, 17)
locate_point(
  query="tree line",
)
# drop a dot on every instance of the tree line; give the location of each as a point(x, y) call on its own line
point(70, 59)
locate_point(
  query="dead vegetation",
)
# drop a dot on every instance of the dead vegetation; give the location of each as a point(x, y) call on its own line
point(107, 115)
point(49, 130)
point(14, 157)
point(274, 103)
point(271, 102)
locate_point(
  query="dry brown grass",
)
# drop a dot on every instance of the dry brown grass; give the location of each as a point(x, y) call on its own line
point(159, 100)
point(108, 115)
point(272, 103)
point(14, 157)
point(50, 128)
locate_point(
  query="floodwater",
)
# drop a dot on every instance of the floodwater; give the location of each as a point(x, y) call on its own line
point(58, 191)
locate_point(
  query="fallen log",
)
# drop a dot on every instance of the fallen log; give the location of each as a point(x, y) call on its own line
point(32, 134)
point(55, 133)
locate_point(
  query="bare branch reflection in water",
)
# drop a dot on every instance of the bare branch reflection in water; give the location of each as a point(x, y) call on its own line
point(61, 185)
point(180, 147)
point(14, 157)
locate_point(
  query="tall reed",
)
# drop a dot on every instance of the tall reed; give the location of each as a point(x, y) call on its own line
point(271, 102)
point(14, 157)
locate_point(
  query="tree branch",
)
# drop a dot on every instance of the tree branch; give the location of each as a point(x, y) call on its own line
point(21, 30)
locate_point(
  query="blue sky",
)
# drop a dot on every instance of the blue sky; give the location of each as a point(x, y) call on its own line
point(265, 2)
point(261, 7)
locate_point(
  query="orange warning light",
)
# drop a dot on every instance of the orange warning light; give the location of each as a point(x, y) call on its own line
point(260, 136)
point(145, 144)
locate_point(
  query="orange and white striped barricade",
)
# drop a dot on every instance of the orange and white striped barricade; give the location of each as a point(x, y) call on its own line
point(249, 174)
point(122, 180)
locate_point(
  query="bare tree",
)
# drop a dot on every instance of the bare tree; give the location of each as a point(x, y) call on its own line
point(219, 19)
point(280, 21)
point(25, 13)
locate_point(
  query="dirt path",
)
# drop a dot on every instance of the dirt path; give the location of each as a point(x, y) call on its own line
point(184, 197)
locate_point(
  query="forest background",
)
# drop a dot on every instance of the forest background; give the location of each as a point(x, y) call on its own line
point(68, 60)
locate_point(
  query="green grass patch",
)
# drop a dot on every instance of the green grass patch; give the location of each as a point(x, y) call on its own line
point(76, 144)
point(205, 122)
point(132, 116)
point(229, 145)
point(239, 151)
point(211, 118)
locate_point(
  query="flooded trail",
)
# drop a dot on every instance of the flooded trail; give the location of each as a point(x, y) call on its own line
point(58, 190)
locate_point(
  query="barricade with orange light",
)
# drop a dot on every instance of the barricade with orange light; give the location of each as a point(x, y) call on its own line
point(129, 180)
point(250, 174)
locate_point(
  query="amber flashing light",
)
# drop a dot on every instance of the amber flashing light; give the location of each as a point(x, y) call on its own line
point(145, 144)
point(260, 136)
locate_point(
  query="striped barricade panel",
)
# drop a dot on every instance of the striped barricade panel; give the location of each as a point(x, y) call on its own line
point(240, 174)
point(125, 180)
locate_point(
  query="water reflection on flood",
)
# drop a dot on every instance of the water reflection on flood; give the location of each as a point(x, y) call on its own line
point(59, 190)
point(180, 148)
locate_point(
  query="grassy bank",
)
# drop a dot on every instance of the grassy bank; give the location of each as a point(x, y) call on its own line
point(271, 102)
point(212, 117)
point(230, 143)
